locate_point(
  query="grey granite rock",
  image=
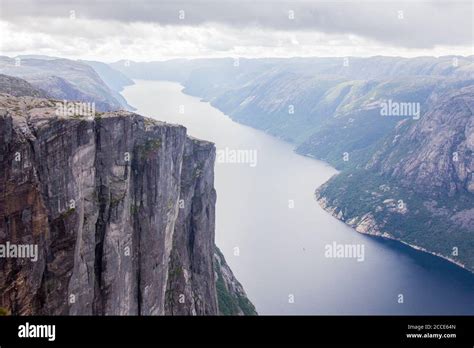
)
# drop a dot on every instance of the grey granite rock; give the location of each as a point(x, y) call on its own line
point(122, 209)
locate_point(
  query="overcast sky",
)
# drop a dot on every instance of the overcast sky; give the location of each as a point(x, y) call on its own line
point(151, 30)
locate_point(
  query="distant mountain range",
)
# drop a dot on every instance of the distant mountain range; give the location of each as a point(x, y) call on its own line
point(70, 80)
point(406, 172)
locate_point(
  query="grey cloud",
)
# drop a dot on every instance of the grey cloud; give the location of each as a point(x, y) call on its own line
point(424, 23)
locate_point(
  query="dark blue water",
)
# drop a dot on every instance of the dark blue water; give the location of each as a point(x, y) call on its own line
point(268, 213)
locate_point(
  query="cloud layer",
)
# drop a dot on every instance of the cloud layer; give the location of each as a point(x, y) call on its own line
point(145, 30)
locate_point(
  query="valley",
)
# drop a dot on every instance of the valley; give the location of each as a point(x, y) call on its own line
point(268, 214)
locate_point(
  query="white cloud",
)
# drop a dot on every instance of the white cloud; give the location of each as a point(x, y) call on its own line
point(111, 40)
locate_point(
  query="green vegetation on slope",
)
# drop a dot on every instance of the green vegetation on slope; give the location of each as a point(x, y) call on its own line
point(230, 303)
point(404, 214)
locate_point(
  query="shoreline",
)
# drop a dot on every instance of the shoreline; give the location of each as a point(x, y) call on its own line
point(384, 235)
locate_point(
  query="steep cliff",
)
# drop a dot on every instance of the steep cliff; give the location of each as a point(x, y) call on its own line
point(191, 283)
point(120, 206)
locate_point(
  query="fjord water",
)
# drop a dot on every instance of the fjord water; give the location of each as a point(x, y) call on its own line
point(273, 233)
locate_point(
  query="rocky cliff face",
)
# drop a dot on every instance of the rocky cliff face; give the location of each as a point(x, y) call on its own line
point(191, 282)
point(437, 150)
point(418, 185)
point(121, 208)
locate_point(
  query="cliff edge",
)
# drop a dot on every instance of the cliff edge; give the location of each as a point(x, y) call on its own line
point(120, 208)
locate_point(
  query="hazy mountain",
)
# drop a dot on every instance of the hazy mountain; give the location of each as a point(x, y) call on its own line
point(399, 177)
point(64, 79)
point(351, 67)
point(19, 88)
point(36, 56)
point(322, 106)
point(112, 78)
